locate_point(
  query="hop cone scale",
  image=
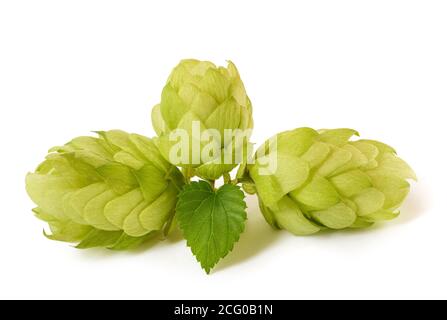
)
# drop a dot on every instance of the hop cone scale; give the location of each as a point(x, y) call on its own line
point(115, 188)
point(324, 180)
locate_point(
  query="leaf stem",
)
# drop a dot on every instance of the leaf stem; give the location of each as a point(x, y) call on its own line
point(227, 178)
point(212, 183)
point(188, 173)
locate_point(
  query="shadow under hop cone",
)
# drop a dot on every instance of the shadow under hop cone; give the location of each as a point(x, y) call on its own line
point(199, 92)
point(323, 180)
point(111, 191)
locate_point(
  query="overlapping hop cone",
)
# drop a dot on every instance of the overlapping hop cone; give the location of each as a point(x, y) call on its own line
point(324, 180)
point(198, 92)
point(112, 191)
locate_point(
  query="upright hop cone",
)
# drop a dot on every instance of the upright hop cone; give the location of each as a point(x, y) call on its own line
point(111, 191)
point(322, 179)
point(199, 97)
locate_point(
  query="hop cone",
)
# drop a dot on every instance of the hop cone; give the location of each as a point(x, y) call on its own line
point(324, 180)
point(111, 191)
point(214, 97)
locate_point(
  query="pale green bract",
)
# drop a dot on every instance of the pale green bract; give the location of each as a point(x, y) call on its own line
point(326, 181)
point(215, 97)
point(111, 191)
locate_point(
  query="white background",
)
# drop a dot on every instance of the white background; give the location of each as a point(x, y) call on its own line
point(69, 67)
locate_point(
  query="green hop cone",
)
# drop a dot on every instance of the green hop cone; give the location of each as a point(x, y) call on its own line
point(112, 191)
point(322, 179)
point(198, 92)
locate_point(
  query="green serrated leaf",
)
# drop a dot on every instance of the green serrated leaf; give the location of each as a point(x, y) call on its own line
point(211, 221)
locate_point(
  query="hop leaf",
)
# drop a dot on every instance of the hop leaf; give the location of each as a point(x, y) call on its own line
point(325, 180)
point(214, 97)
point(113, 191)
point(211, 221)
